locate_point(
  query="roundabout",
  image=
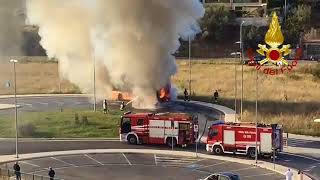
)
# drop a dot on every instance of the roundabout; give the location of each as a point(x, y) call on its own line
point(129, 164)
point(194, 169)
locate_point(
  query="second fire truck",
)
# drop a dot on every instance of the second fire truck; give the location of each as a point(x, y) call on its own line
point(161, 128)
point(241, 138)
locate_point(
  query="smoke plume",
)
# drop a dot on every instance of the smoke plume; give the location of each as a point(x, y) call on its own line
point(11, 25)
point(132, 42)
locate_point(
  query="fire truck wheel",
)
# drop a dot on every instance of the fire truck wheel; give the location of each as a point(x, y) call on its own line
point(169, 142)
point(251, 152)
point(217, 150)
point(132, 139)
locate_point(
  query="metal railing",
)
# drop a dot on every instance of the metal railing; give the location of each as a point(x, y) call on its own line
point(6, 174)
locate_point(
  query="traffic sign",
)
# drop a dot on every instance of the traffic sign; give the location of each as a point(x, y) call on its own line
point(8, 84)
point(196, 128)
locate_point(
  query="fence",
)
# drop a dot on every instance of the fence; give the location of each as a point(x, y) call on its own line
point(6, 174)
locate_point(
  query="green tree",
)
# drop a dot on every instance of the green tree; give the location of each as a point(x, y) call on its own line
point(253, 35)
point(297, 22)
point(215, 20)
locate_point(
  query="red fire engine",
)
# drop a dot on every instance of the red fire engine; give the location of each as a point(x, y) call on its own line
point(162, 128)
point(241, 138)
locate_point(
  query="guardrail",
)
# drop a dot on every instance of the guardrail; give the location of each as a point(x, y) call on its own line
point(285, 139)
point(6, 174)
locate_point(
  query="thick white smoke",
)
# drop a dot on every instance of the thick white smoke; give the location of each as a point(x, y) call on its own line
point(11, 25)
point(132, 42)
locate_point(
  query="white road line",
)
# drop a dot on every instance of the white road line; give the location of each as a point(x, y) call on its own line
point(77, 103)
point(213, 165)
point(306, 157)
point(236, 170)
point(25, 104)
point(43, 103)
point(205, 172)
point(93, 159)
point(309, 168)
point(24, 162)
point(127, 159)
point(195, 163)
point(266, 174)
point(155, 159)
point(286, 160)
point(64, 162)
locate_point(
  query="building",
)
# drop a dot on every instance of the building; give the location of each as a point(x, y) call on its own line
point(247, 8)
point(311, 45)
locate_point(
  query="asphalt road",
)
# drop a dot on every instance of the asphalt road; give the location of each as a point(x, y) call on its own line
point(309, 163)
point(39, 104)
point(121, 166)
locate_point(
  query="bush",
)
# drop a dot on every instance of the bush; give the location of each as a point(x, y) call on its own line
point(84, 120)
point(76, 119)
point(27, 130)
point(294, 77)
point(316, 72)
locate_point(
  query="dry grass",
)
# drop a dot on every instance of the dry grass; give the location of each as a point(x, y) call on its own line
point(34, 77)
point(296, 113)
point(301, 88)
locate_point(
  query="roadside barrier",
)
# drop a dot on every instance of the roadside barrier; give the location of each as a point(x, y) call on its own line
point(6, 174)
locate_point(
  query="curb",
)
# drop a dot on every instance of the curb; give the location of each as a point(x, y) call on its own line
point(7, 106)
point(59, 139)
point(266, 165)
point(229, 114)
point(45, 95)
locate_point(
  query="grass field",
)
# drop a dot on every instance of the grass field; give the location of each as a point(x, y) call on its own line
point(290, 99)
point(63, 124)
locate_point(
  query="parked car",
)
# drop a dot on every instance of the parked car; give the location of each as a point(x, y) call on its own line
point(255, 62)
point(223, 176)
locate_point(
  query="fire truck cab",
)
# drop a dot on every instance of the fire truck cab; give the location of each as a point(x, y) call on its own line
point(241, 138)
point(161, 128)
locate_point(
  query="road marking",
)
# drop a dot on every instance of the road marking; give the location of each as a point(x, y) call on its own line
point(93, 159)
point(205, 172)
point(306, 157)
point(188, 164)
point(310, 168)
point(43, 103)
point(24, 104)
point(24, 162)
point(266, 174)
point(155, 160)
point(213, 165)
point(64, 162)
point(127, 159)
point(286, 160)
point(174, 161)
point(236, 170)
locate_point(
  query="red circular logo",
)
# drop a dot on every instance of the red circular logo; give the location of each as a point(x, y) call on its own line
point(274, 55)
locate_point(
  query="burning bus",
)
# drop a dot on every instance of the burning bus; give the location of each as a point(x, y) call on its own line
point(163, 95)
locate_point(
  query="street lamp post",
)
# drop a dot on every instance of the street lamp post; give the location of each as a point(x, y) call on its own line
point(189, 66)
point(94, 85)
point(235, 83)
point(285, 10)
point(241, 57)
point(256, 118)
point(15, 104)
